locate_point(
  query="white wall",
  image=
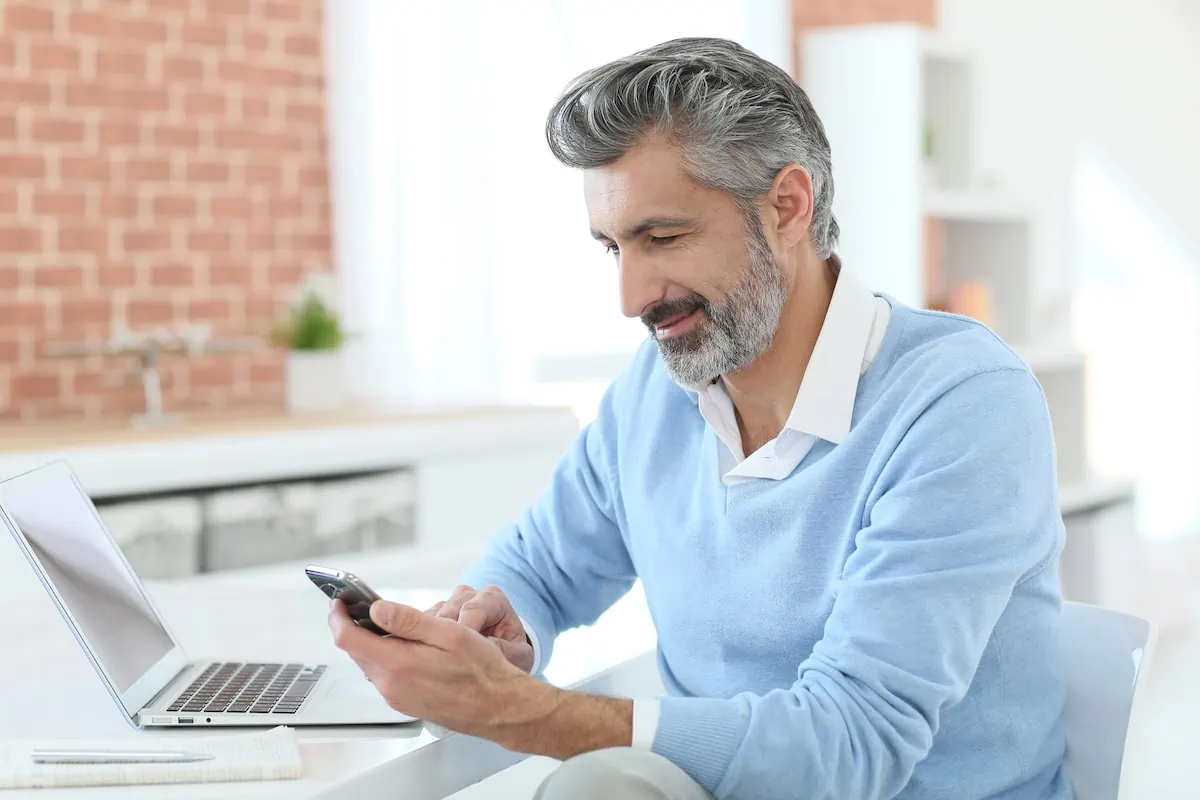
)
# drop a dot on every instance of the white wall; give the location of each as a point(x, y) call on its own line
point(1125, 73)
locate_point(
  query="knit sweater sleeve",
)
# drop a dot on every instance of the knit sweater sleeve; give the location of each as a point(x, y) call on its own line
point(565, 562)
point(963, 511)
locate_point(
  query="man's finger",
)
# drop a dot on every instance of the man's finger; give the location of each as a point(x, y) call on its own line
point(481, 612)
point(454, 604)
point(358, 642)
point(408, 623)
point(435, 608)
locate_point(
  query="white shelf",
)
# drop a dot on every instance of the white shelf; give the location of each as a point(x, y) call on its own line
point(1093, 493)
point(937, 47)
point(1051, 358)
point(974, 206)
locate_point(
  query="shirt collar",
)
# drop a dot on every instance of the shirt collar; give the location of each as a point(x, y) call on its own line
point(825, 402)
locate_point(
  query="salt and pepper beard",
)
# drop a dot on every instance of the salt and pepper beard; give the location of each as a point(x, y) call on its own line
point(738, 328)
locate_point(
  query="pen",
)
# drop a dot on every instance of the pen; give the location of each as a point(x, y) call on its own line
point(117, 757)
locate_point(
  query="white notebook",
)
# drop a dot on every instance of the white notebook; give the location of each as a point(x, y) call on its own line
point(261, 756)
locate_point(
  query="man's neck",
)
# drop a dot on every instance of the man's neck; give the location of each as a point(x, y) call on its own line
point(764, 392)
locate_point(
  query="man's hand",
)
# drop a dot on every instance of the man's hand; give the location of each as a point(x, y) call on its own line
point(489, 613)
point(443, 672)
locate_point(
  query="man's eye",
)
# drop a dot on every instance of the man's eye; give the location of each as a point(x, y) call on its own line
point(612, 249)
point(663, 239)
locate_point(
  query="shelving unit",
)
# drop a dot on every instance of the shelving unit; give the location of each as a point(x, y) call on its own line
point(921, 223)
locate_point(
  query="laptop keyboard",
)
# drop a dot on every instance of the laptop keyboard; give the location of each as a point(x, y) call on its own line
point(235, 688)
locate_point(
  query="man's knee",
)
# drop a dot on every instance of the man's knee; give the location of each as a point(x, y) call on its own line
point(622, 772)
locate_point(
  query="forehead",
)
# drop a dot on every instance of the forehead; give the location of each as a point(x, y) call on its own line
point(649, 180)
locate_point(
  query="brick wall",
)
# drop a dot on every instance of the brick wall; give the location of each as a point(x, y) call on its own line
point(161, 161)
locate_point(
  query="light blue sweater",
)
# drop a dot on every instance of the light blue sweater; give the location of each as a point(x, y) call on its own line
point(882, 623)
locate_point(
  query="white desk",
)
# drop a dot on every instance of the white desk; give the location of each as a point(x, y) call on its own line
point(47, 687)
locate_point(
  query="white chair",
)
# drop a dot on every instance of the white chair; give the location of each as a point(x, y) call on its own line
point(1105, 655)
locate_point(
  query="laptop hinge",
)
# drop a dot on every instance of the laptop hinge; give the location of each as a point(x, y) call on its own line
point(168, 685)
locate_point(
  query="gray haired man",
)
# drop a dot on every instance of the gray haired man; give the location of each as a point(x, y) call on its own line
point(843, 510)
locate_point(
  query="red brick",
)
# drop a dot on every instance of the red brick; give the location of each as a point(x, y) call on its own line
point(282, 10)
point(148, 169)
point(183, 68)
point(14, 166)
point(304, 113)
point(264, 174)
point(203, 103)
point(10, 350)
point(118, 98)
point(207, 172)
point(91, 382)
point(54, 58)
point(254, 41)
point(267, 372)
point(175, 136)
point(148, 312)
point(234, 8)
point(171, 5)
point(10, 277)
point(22, 313)
point(172, 275)
point(86, 168)
point(147, 241)
point(212, 34)
point(174, 205)
point(312, 178)
point(113, 276)
point(234, 206)
point(255, 108)
point(43, 384)
point(209, 309)
point(58, 130)
point(305, 46)
point(229, 272)
point(16, 92)
point(119, 132)
point(20, 239)
point(123, 28)
point(214, 372)
point(59, 203)
point(86, 310)
point(120, 62)
point(285, 274)
point(79, 238)
point(8, 52)
point(8, 201)
point(8, 125)
point(57, 277)
point(117, 205)
point(210, 241)
point(27, 17)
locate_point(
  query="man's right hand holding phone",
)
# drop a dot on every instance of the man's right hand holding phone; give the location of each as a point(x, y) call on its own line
point(488, 612)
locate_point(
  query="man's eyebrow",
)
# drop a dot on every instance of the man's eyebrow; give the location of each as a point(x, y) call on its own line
point(648, 224)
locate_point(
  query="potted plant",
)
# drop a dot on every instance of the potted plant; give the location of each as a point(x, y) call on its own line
point(314, 377)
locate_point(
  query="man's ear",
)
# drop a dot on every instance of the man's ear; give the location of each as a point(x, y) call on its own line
point(791, 197)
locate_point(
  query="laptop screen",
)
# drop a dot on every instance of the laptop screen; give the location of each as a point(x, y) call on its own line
point(66, 536)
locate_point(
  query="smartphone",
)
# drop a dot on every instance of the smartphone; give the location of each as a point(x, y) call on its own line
point(351, 590)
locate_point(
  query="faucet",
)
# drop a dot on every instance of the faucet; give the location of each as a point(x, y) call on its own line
point(146, 349)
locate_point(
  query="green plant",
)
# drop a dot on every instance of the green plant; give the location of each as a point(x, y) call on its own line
point(313, 326)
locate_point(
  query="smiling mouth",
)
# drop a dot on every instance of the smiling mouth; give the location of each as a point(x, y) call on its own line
point(676, 325)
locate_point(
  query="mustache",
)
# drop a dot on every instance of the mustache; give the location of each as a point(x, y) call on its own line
point(668, 309)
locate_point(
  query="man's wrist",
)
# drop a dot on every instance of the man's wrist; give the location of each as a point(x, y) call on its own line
point(548, 721)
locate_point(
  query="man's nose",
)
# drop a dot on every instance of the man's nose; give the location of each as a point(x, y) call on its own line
point(641, 287)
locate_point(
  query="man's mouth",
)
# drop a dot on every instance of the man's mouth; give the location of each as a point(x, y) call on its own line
point(676, 325)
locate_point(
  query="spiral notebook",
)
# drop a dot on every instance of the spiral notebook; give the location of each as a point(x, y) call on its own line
point(262, 756)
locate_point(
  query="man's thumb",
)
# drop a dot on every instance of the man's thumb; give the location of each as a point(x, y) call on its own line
point(400, 620)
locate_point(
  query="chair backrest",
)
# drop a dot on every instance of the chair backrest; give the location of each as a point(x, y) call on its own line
point(1105, 655)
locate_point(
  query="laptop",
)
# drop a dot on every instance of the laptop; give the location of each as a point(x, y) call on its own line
point(131, 648)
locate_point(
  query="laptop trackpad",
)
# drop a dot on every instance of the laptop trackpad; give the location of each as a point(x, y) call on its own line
point(352, 689)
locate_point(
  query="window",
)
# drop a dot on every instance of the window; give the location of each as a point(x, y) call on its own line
point(481, 281)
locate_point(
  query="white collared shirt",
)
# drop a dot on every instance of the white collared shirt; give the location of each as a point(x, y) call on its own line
point(846, 346)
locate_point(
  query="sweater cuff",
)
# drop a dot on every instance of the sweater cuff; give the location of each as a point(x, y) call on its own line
point(701, 735)
point(532, 636)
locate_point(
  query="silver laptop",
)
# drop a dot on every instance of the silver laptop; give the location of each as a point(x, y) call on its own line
point(144, 669)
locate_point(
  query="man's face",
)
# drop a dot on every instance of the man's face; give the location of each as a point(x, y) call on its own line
point(702, 279)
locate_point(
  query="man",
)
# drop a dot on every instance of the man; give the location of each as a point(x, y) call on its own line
point(843, 510)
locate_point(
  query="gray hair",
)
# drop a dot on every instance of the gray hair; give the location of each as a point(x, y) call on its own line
point(737, 117)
